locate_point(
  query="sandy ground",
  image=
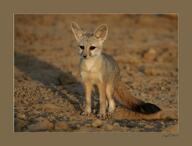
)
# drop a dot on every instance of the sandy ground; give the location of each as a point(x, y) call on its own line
point(48, 95)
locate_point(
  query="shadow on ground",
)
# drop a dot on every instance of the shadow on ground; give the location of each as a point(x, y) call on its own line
point(49, 75)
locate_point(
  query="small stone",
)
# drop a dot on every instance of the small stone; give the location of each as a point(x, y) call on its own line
point(162, 88)
point(149, 126)
point(61, 126)
point(150, 55)
point(142, 69)
point(88, 125)
point(42, 125)
point(35, 112)
point(78, 125)
point(74, 126)
point(116, 125)
point(97, 123)
point(151, 71)
point(19, 125)
point(21, 116)
point(48, 107)
point(109, 127)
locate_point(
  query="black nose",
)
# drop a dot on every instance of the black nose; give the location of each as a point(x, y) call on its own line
point(84, 56)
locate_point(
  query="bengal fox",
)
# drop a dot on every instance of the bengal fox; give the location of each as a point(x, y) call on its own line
point(100, 69)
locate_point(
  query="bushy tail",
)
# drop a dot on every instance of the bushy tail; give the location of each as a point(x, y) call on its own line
point(122, 94)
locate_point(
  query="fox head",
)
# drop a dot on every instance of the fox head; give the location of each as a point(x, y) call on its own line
point(90, 44)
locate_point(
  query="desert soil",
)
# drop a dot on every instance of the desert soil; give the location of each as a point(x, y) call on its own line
point(48, 95)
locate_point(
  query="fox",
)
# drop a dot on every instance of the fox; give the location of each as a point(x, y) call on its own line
point(101, 70)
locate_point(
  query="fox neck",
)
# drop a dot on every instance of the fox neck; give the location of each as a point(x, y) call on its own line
point(90, 63)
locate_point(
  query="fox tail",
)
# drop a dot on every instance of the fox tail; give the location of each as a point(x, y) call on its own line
point(133, 103)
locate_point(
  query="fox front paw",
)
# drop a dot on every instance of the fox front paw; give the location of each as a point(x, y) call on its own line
point(109, 114)
point(101, 116)
point(85, 113)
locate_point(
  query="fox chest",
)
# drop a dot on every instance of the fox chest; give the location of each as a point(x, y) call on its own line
point(91, 70)
point(90, 76)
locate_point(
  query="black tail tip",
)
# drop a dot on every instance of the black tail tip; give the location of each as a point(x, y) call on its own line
point(146, 108)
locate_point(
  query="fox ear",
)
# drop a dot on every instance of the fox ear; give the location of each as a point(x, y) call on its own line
point(77, 31)
point(101, 32)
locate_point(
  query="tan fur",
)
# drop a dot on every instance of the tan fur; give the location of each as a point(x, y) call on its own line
point(100, 69)
point(122, 93)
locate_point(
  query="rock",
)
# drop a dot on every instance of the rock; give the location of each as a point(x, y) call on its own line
point(173, 129)
point(97, 123)
point(21, 116)
point(150, 55)
point(88, 125)
point(142, 68)
point(74, 126)
point(78, 125)
point(162, 88)
point(109, 127)
point(116, 125)
point(149, 126)
point(152, 71)
point(61, 126)
point(35, 112)
point(42, 124)
point(19, 125)
point(48, 107)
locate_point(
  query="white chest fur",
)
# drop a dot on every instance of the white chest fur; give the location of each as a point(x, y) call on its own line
point(89, 64)
point(90, 70)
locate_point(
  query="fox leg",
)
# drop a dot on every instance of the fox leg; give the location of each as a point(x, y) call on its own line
point(88, 90)
point(111, 102)
point(102, 100)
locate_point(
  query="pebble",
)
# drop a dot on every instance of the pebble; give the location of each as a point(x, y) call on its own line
point(88, 125)
point(48, 107)
point(21, 116)
point(116, 125)
point(61, 125)
point(149, 126)
point(78, 125)
point(150, 55)
point(97, 123)
point(109, 127)
point(41, 125)
point(19, 124)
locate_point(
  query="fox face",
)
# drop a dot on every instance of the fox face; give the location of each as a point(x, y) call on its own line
point(90, 44)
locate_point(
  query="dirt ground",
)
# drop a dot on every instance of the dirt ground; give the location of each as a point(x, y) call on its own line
point(48, 95)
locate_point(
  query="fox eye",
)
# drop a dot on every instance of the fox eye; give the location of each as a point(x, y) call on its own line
point(92, 47)
point(82, 47)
